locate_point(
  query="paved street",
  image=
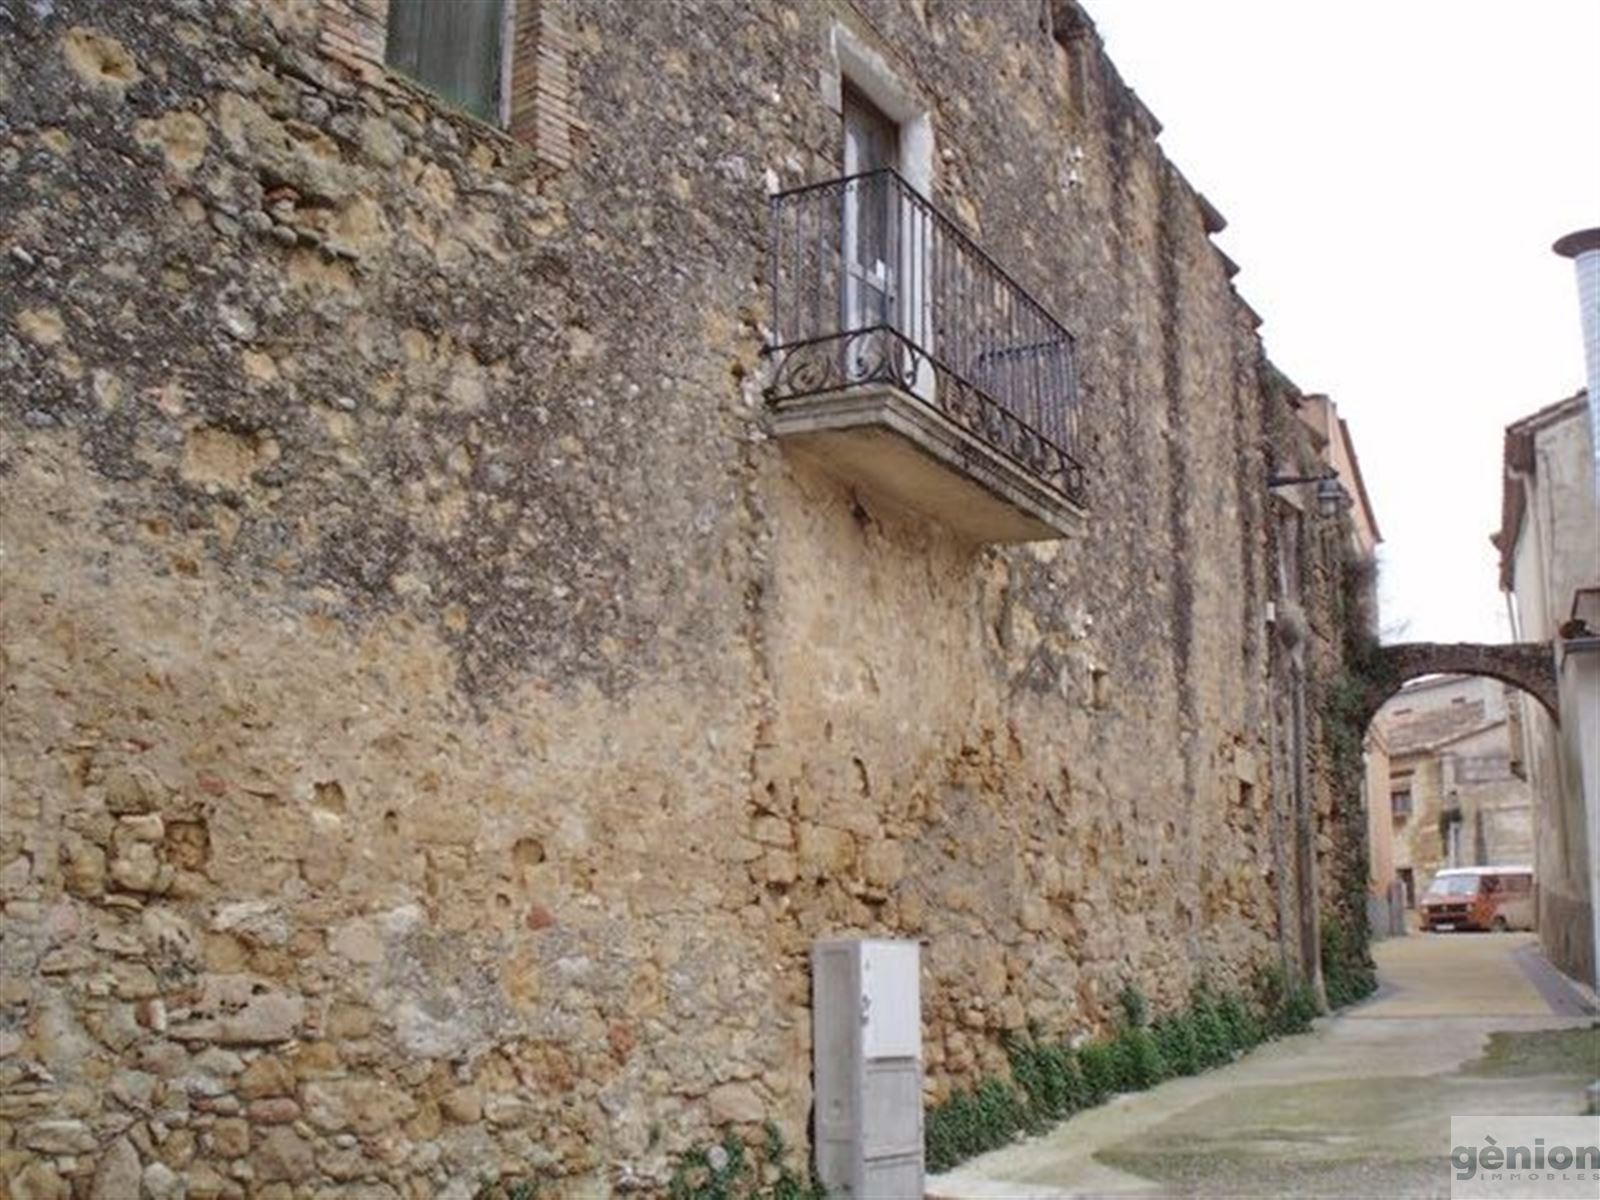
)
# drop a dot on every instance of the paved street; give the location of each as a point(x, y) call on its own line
point(1359, 1107)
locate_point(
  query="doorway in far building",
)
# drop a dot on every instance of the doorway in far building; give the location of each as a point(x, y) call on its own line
point(1408, 880)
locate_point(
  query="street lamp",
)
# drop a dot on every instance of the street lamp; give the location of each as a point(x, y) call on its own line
point(1332, 499)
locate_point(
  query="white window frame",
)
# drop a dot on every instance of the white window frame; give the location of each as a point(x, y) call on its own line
point(850, 59)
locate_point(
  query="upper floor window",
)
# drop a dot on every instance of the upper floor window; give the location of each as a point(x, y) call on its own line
point(453, 47)
point(1400, 803)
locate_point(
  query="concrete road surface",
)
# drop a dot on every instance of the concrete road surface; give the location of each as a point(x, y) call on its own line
point(1361, 1106)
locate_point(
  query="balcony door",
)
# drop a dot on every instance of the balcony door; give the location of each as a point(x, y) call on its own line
point(887, 245)
point(871, 143)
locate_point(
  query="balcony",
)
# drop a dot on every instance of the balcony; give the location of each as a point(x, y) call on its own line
point(907, 361)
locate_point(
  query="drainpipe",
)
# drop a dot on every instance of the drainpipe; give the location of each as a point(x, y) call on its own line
point(1306, 847)
point(1583, 248)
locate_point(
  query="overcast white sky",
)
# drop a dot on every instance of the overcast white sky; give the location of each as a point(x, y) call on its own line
point(1393, 173)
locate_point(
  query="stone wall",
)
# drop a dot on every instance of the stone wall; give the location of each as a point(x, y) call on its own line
point(438, 719)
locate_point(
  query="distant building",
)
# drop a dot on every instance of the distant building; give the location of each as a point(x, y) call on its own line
point(1458, 791)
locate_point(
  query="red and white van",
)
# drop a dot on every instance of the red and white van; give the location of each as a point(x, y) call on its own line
point(1478, 898)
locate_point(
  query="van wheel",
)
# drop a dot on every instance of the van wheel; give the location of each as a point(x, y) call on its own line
point(1500, 925)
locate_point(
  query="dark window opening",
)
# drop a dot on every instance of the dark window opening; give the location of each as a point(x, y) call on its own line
point(1408, 880)
point(453, 48)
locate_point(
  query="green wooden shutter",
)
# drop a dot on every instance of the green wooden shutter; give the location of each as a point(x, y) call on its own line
point(452, 47)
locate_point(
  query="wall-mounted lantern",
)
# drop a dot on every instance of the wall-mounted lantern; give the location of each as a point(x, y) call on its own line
point(1332, 499)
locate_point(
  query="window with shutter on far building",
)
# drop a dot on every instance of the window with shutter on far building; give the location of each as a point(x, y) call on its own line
point(452, 47)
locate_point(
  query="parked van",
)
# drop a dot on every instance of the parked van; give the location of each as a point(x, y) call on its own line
point(1479, 898)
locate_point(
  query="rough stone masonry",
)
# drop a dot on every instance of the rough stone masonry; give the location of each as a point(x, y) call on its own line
point(438, 719)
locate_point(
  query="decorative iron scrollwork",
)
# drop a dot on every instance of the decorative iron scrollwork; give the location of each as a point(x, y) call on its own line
point(872, 284)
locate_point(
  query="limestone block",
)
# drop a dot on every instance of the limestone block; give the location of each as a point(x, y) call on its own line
point(59, 1137)
point(825, 851)
point(161, 1182)
point(134, 1089)
point(142, 827)
point(151, 1015)
point(180, 136)
point(342, 1163)
point(66, 960)
point(257, 922)
point(351, 1020)
point(283, 1155)
point(116, 1176)
point(735, 1103)
point(736, 849)
point(1034, 914)
point(15, 875)
point(239, 1010)
point(463, 1105)
point(366, 1106)
point(267, 143)
point(276, 1110)
point(357, 941)
point(41, 326)
point(204, 1183)
point(883, 863)
point(509, 1110)
point(219, 1062)
point(138, 869)
point(266, 1076)
point(132, 791)
point(179, 1148)
point(100, 61)
point(779, 866)
point(382, 142)
point(772, 831)
point(426, 1124)
point(133, 980)
point(1012, 1014)
point(168, 934)
point(39, 1181)
point(230, 1137)
point(84, 866)
point(1052, 878)
point(115, 1025)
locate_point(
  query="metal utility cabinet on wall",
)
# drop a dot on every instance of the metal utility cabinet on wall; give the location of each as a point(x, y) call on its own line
point(866, 1004)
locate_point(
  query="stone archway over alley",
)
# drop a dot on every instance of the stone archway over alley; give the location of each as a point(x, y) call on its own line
point(1529, 666)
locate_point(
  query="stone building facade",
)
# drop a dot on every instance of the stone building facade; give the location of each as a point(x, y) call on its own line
point(439, 715)
point(1458, 793)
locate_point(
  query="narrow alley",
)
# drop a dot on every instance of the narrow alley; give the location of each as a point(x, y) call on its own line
point(1361, 1106)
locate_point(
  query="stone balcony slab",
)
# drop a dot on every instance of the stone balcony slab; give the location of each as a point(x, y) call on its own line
point(892, 443)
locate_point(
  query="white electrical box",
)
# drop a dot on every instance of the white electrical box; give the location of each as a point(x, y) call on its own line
point(866, 1011)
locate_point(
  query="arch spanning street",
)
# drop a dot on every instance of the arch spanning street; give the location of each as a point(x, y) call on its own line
point(1529, 666)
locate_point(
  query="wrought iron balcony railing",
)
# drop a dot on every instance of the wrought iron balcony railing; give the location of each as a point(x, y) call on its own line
point(873, 285)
